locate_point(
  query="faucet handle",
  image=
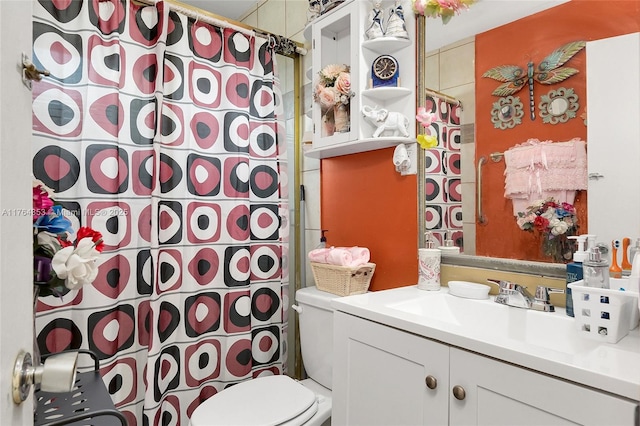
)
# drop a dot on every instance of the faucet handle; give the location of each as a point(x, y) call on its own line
point(503, 285)
point(541, 301)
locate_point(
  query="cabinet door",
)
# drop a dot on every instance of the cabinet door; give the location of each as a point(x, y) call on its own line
point(379, 376)
point(497, 394)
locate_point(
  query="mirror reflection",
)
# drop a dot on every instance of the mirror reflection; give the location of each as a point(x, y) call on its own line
point(460, 52)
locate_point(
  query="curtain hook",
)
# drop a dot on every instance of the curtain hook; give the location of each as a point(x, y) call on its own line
point(197, 18)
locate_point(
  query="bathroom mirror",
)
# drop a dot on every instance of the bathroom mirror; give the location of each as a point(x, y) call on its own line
point(553, 105)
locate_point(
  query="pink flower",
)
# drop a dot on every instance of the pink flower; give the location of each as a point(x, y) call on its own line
point(425, 118)
point(41, 202)
point(328, 97)
point(343, 83)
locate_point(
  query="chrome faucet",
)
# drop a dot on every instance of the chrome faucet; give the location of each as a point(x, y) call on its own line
point(512, 294)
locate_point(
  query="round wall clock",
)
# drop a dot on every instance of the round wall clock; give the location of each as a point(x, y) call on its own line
point(384, 71)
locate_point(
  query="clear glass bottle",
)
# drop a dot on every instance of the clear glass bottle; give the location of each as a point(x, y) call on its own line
point(595, 270)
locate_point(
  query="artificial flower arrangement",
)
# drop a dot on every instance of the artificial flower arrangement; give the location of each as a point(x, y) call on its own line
point(445, 9)
point(425, 119)
point(60, 264)
point(555, 222)
point(333, 86)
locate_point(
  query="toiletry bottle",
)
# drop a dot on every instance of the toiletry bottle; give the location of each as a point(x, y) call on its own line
point(615, 271)
point(595, 270)
point(574, 269)
point(633, 250)
point(449, 247)
point(626, 265)
point(429, 265)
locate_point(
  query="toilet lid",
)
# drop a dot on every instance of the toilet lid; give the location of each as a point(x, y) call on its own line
point(265, 401)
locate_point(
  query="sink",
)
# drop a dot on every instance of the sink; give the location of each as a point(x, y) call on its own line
point(485, 319)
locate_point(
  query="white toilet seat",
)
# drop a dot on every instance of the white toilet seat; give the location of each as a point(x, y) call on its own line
point(265, 401)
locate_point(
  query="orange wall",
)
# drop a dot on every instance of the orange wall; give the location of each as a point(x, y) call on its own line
point(535, 37)
point(366, 203)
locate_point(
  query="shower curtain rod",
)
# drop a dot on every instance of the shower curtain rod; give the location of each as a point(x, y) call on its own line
point(443, 96)
point(282, 45)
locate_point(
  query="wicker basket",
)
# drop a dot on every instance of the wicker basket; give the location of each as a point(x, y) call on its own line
point(342, 280)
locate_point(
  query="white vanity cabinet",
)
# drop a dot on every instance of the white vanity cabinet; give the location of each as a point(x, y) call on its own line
point(382, 376)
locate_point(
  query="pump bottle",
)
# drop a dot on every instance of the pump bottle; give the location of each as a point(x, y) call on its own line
point(574, 269)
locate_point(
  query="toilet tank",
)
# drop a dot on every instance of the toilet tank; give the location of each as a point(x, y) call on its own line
point(316, 333)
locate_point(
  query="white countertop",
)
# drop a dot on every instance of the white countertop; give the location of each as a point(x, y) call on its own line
point(609, 367)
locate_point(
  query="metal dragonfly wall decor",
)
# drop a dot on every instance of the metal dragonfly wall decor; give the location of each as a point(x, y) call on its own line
point(549, 71)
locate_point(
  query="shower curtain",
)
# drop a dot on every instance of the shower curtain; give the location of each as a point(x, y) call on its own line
point(162, 132)
point(443, 191)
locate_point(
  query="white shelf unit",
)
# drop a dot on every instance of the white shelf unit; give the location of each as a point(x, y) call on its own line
point(338, 38)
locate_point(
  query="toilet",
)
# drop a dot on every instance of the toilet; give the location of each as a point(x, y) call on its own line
point(281, 400)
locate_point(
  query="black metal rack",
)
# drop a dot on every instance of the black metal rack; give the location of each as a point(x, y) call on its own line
point(88, 403)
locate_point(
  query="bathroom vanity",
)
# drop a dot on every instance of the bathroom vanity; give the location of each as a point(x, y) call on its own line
point(411, 357)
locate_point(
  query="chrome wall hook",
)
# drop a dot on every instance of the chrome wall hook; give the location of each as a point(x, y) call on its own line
point(30, 72)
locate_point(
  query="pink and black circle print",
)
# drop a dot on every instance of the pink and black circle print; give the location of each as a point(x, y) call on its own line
point(434, 191)
point(264, 304)
point(59, 53)
point(168, 320)
point(454, 138)
point(454, 190)
point(455, 216)
point(142, 121)
point(265, 222)
point(237, 174)
point(111, 331)
point(173, 77)
point(107, 62)
point(175, 30)
point(204, 175)
point(264, 181)
point(57, 111)
point(237, 265)
point(236, 132)
point(60, 334)
point(265, 262)
point(265, 55)
point(202, 362)
point(121, 380)
point(169, 270)
point(170, 173)
point(56, 167)
point(202, 314)
point(204, 222)
point(262, 140)
point(107, 169)
point(433, 217)
point(433, 161)
point(205, 129)
point(238, 359)
point(168, 413)
point(113, 276)
point(265, 345)
point(113, 220)
point(237, 90)
point(62, 10)
point(238, 223)
point(205, 393)
point(144, 223)
point(145, 23)
point(144, 272)
point(169, 222)
point(204, 266)
point(142, 172)
point(205, 85)
point(205, 41)
point(453, 159)
point(167, 371)
point(145, 319)
point(238, 49)
point(108, 114)
point(145, 73)
point(455, 111)
point(237, 311)
point(262, 100)
point(108, 16)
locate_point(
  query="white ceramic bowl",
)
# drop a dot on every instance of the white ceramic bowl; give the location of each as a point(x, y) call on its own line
point(469, 290)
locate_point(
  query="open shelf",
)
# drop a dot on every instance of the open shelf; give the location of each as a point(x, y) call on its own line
point(386, 44)
point(386, 93)
point(354, 147)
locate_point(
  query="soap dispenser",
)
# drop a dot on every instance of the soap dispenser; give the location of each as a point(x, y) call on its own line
point(429, 265)
point(449, 247)
point(595, 270)
point(575, 268)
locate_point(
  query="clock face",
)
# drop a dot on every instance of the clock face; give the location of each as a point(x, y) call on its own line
point(385, 67)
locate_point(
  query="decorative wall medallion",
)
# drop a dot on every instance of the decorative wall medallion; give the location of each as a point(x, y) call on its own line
point(507, 113)
point(558, 106)
point(549, 71)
